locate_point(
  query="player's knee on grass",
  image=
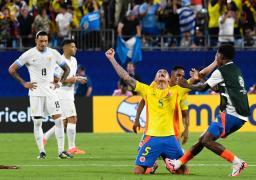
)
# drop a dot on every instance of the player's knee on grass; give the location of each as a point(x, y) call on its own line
point(139, 170)
point(182, 170)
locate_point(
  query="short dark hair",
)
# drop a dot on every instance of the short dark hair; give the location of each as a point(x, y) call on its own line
point(228, 51)
point(41, 33)
point(175, 68)
point(67, 41)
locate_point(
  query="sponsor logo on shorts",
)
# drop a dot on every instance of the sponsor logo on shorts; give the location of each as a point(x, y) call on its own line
point(142, 159)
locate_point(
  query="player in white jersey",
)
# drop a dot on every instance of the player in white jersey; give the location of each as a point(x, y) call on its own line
point(41, 62)
point(66, 96)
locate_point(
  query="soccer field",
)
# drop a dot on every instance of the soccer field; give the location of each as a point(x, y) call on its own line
point(111, 156)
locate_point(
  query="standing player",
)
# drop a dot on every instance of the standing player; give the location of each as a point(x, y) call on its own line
point(160, 102)
point(41, 61)
point(234, 108)
point(66, 95)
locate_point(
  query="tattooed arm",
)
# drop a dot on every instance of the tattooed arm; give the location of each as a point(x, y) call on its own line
point(120, 71)
point(13, 72)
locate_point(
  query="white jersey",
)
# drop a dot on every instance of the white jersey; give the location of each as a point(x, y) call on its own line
point(217, 79)
point(41, 68)
point(67, 90)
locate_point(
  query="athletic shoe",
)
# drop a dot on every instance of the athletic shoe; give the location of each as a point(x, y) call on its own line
point(152, 170)
point(8, 167)
point(172, 165)
point(42, 155)
point(238, 168)
point(65, 155)
point(44, 141)
point(75, 150)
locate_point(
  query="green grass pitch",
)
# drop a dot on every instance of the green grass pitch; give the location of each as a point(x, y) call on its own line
point(111, 156)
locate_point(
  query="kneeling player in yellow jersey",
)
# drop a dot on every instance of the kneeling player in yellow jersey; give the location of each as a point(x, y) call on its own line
point(160, 102)
point(181, 107)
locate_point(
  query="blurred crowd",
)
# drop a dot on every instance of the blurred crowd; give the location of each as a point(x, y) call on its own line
point(181, 23)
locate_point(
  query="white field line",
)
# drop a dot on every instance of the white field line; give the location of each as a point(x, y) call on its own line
point(113, 165)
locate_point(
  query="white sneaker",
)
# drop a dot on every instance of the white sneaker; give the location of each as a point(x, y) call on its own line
point(172, 165)
point(238, 168)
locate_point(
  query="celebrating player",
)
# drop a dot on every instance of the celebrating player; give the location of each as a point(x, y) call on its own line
point(181, 106)
point(41, 61)
point(234, 108)
point(66, 95)
point(160, 100)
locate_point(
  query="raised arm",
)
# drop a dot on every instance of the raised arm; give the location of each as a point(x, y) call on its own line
point(201, 86)
point(13, 72)
point(136, 124)
point(120, 71)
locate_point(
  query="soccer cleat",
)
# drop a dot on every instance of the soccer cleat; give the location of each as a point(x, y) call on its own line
point(75, 150)
point(42, 155)
point(238, 168)
point(152, 170)
point(8, 167)
point(65, 155)
point(172, 165)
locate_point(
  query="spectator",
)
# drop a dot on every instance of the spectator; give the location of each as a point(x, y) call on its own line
point(121, 7)
point(252, 89)
point(84, 89)
point(90, 23)
point(129, 26)
point(41, 21)
point(199, 39)
point(197, 5)
point(172, 25)
point(226, 28)
point(187, 23)
point(122, 89)
point(148, 12)
point(7, 28)
point(25, 27)
point(63, 20)
point(215, 9)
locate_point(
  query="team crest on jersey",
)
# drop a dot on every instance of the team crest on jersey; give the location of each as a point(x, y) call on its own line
point(142, 159)
point(126, 113)
point(49, 58)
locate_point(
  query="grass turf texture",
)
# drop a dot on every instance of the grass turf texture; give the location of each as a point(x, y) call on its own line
point(111, 156)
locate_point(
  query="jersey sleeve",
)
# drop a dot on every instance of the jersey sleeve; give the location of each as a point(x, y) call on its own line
point(58, 72)
point(215, 78)
point(141, 88)
point(22, 60)
point(58, 58)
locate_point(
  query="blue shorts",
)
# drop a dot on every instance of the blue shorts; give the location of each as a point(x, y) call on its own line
point(225, 125)
point(154, 147)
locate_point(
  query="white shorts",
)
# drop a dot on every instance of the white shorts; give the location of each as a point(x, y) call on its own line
point(44, 106)
point(68, 108)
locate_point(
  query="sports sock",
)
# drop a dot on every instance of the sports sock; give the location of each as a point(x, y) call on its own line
point(71, 133)
point(38, 133)
point(59, 133)
point(229, 156)
point(186, 157)
point(49, 133)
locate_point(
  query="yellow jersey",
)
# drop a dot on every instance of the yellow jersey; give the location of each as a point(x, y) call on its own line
point(159, 109)
point(181, 104)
